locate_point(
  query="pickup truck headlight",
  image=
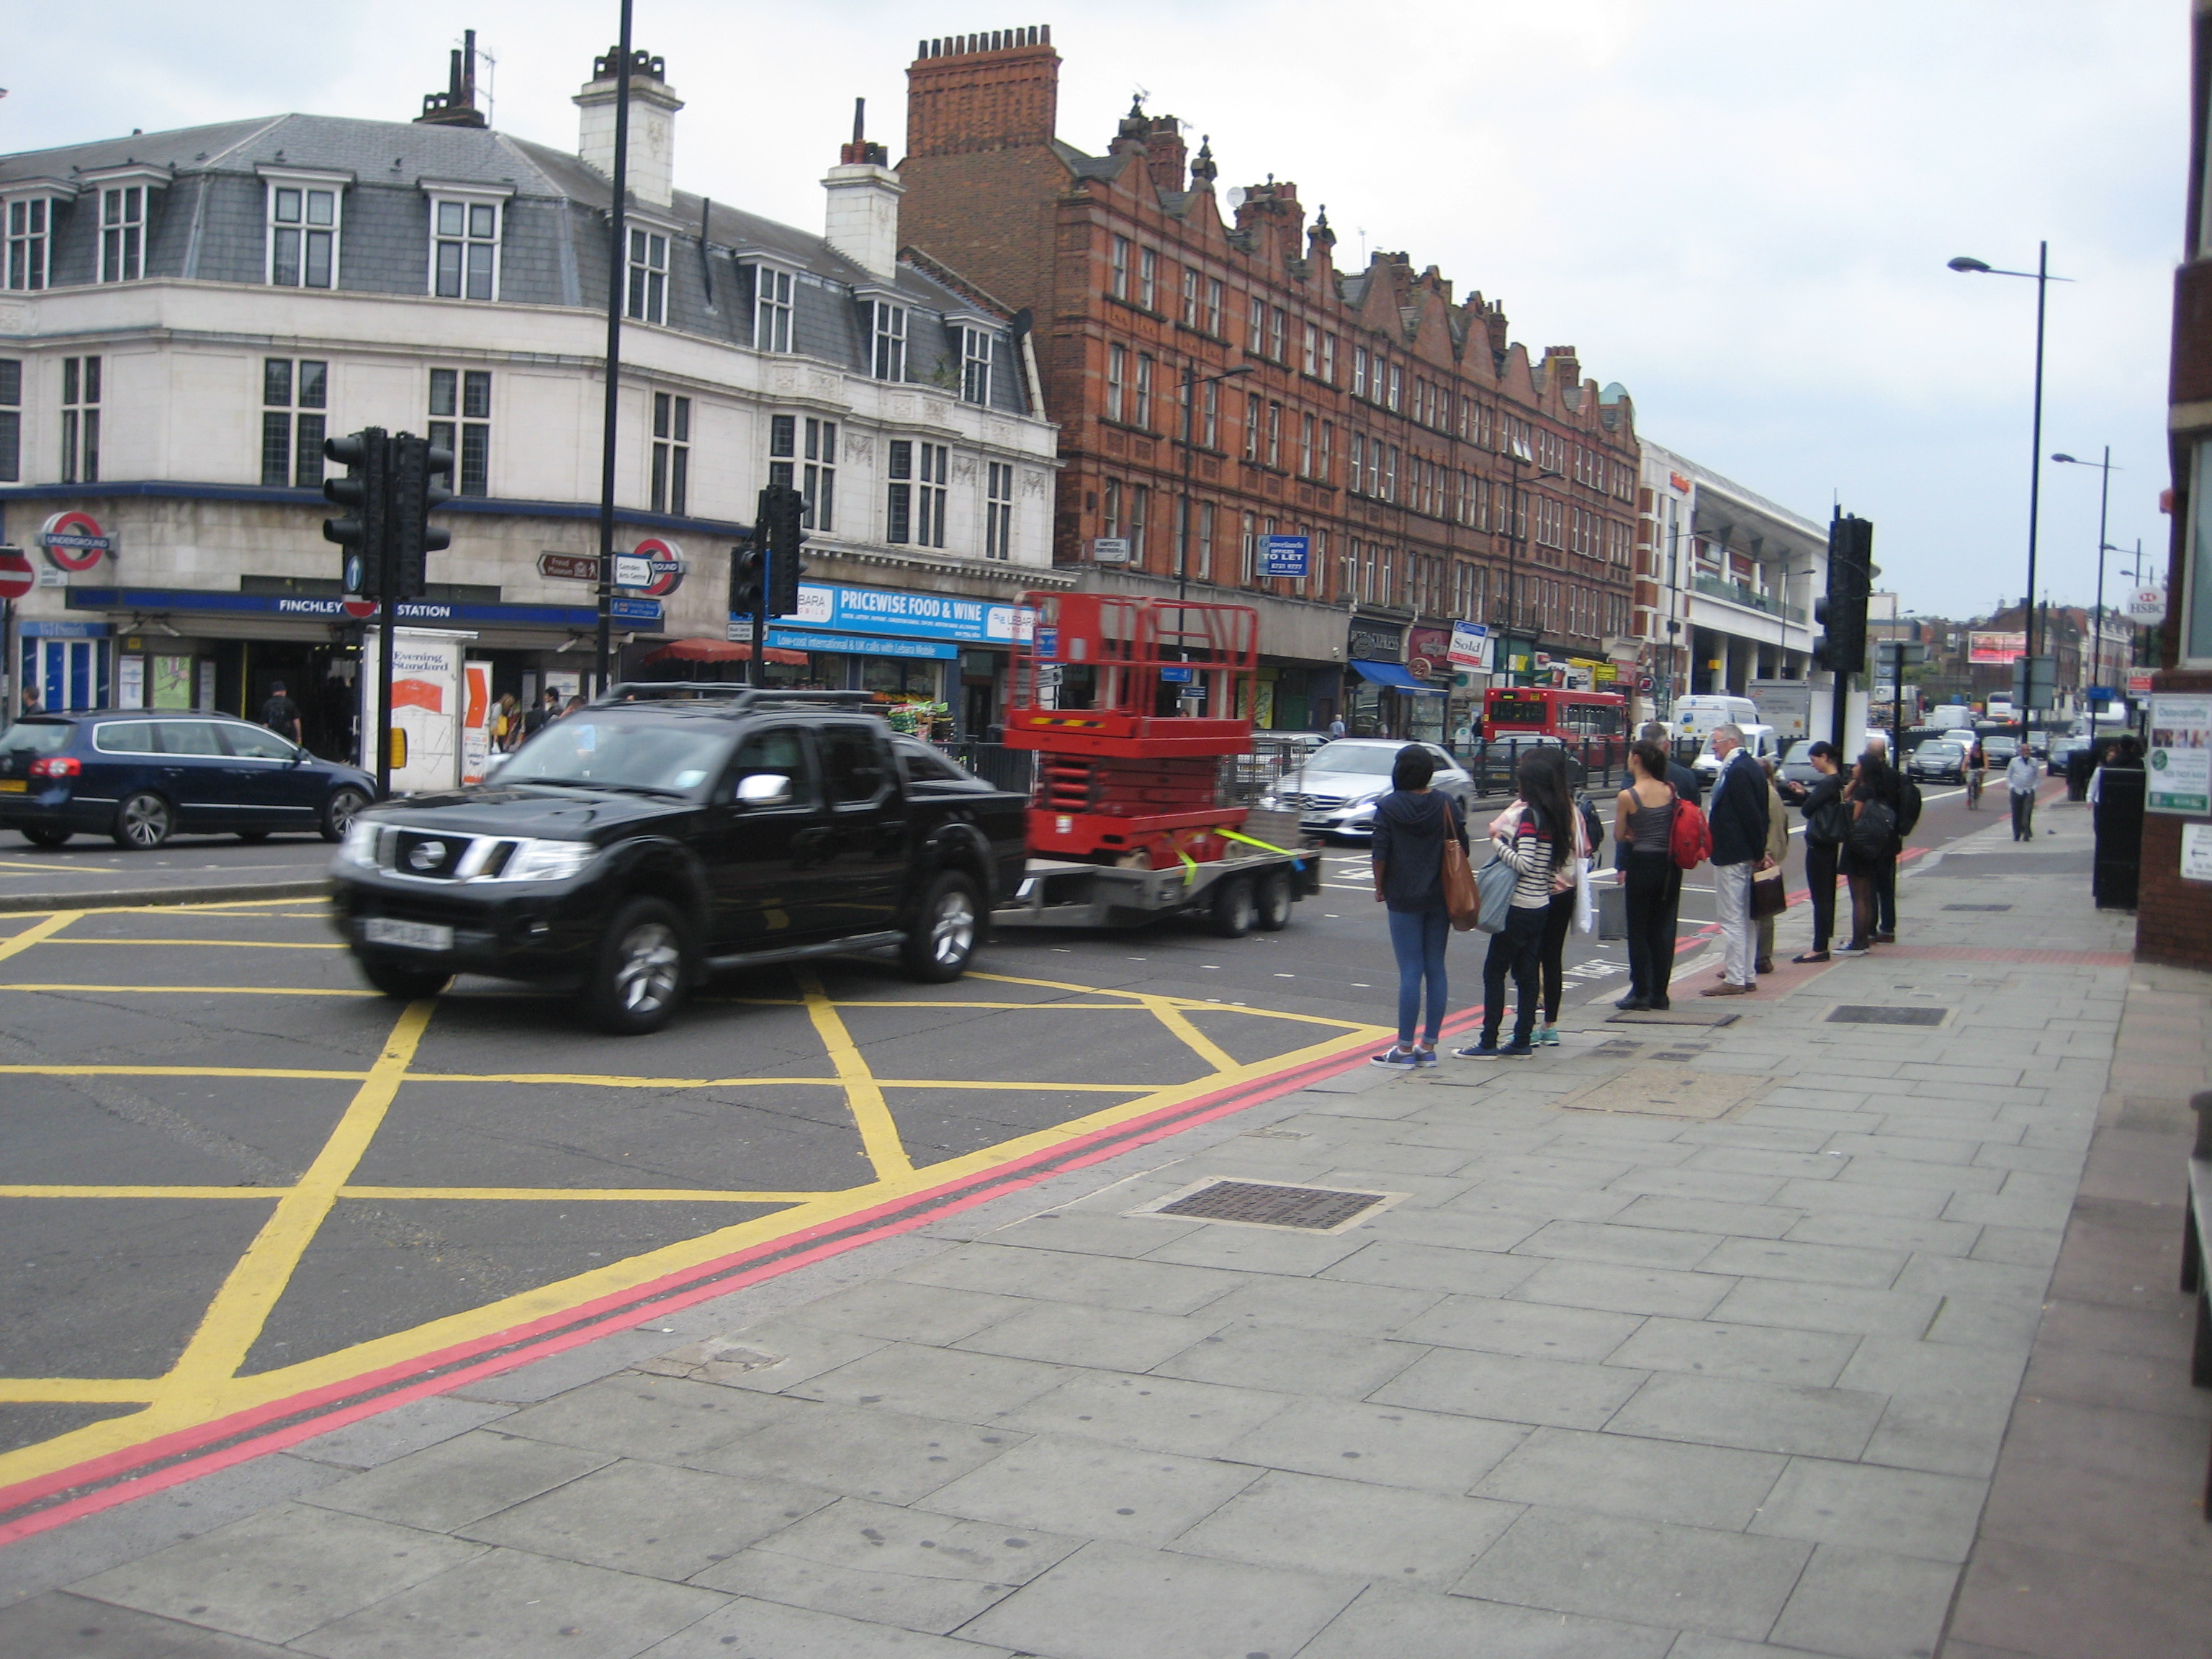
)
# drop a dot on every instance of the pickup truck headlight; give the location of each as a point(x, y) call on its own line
point(543, 860)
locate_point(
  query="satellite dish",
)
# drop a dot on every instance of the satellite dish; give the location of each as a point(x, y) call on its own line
point(1236, 198)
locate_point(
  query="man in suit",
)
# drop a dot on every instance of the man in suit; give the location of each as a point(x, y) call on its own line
point(1738, 819)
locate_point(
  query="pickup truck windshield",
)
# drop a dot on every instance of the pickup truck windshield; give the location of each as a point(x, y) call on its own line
point(615, 754)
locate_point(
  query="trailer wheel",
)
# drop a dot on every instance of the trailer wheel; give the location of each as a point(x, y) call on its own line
point(1232, 914)
point(1273, 901)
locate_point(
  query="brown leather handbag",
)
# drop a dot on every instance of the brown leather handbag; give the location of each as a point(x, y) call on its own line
point(1461, 899)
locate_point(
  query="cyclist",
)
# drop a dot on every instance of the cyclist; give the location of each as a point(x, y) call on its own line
point(1976, 760)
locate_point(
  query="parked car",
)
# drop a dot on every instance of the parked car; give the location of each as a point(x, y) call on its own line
point(1939, 759)
point(633, 846)
point(2064, 749)
point(141, 776)
point(1796, 774)
point(1335, 791)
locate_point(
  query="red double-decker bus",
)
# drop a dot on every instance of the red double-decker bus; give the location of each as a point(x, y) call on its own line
point(1574, 718)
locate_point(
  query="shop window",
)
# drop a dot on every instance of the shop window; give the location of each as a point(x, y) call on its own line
point(30, 242)
point(123, 233)
point(888, 332)
point(975, 348)
point(672, 454)
point(303, 235)
point(464, 249)
point(11, 420)
point(460, 421)
point(648, 300)
point(80, 420)
point(999, 511)
point(771, 309)
point(916, 505)
point(293, 395)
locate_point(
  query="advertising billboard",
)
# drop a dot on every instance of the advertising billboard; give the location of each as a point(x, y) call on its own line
point(1995, 650)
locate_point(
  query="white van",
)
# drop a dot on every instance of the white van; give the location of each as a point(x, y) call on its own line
point(1761, 742)
point(1695, 717)
point(1950, 716)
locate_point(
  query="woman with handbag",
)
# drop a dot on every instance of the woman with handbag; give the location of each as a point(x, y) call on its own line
point(1535, 835)
point(1569, 889)
point(1643, 828)
point(1870, 849)
point(1415, 830)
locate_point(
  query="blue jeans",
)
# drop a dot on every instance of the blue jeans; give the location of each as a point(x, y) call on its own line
point(1416, 937)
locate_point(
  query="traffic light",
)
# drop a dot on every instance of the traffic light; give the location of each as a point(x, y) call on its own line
point(417, 469)
point(748, 562)
point(1841, 647)
point(781, 524)
point(367, 457)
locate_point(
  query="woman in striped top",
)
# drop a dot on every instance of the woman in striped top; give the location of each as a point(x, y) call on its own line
point(1535, 836)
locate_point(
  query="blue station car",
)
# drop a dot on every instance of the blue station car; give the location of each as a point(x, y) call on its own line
point(142, 775)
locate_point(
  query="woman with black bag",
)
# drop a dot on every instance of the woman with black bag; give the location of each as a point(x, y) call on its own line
point(1412, 823)
point(1870, 848)
point(1827, 820)
point(1644, 833)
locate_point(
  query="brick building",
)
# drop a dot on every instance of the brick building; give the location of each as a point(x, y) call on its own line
point(1439, 471)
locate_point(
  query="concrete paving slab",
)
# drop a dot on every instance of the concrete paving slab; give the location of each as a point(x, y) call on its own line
point(1321, 1525)
point(1627, 1475)
point(1864, 1604)
point(1722, 1582)
point(664, 1417)
point(378, 1440)
point(1151, 1413)
point(1769, 1417)
point(1087, 1488)
point(976, 1387)
point(457, 1481)
point(749, 1629)
point(507, 1604)
point(1510, 1389)
point(59, 1625)
point(1713, 1347)
point(1902, 1511)
point(860, 1451)
point(1324, 1304)
point(277, 1574)
point(1404, 1625)
point(1533, 1330)
point(1285, 1359)
point(1615, 1289)
point(901, 1312)
point(1114, 1601)
point(1388, 1446)
point(1052, 1275)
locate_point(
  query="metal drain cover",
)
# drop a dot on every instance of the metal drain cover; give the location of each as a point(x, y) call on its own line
point(1977, 906)
point(1271, 1203)
point(1863, 1014)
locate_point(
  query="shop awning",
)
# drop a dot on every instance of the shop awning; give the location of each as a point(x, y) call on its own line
point(1393, 675)
point(720, 651)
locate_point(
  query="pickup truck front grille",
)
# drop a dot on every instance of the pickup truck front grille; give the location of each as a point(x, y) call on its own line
point(440, 855)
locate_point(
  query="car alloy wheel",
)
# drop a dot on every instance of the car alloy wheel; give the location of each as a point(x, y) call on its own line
point(947, 924)
point(144, 822)
point(648, 968)
point(339, 813)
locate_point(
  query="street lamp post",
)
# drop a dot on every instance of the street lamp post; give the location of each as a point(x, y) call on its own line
point(1192, 380)
point(2104, 496)
point(2042, 278)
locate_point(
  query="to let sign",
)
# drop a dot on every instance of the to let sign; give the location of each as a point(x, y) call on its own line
point(1285, 555)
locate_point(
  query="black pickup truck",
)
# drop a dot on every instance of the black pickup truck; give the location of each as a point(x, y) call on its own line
point(664, 831)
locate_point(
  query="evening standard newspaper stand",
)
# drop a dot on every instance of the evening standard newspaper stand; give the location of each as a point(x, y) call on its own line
point(1138, 710)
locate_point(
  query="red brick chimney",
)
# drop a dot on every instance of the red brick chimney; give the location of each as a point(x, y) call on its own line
point(997, 90)
point(1166, 153)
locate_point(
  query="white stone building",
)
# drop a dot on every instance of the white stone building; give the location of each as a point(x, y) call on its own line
point(186, 315)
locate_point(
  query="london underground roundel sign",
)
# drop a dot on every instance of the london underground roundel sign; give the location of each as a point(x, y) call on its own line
point(665, 565)
point(17, 575)
point(75, 541)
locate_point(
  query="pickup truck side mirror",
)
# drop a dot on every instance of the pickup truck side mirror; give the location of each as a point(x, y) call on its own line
point(764, 789)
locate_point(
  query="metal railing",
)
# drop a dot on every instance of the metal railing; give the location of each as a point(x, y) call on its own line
point(1736, 593)
point(998, 765)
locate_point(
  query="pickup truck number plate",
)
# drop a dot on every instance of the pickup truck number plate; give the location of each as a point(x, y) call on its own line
point(415, 935)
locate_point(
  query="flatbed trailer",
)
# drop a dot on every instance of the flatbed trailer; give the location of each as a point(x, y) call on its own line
point(1251, 889)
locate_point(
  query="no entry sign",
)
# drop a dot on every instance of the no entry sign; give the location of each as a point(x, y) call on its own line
point(17, 575)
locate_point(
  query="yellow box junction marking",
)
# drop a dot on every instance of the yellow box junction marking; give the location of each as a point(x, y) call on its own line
point(205, 1383)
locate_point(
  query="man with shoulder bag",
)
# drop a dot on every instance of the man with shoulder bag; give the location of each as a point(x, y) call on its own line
point(1827, 823)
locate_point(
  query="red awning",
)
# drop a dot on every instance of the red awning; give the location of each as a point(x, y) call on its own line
point(721, 651)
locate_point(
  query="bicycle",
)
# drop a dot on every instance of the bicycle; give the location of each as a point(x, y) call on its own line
point(1974, 790)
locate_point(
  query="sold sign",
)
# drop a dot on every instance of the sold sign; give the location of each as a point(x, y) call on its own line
point(75, 541)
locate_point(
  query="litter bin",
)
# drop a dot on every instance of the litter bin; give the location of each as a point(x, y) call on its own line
point(2118, 816)
point(2080, 767)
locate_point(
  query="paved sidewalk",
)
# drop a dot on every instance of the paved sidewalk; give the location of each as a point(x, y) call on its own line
point(1674, 1342)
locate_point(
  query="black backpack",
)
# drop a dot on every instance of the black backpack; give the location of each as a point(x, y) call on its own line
point(1908, 804)
point(1873, 831)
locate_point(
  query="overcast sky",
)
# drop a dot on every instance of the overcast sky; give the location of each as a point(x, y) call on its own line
point(1738, 209)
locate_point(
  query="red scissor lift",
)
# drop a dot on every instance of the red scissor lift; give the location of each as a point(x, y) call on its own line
point(1133, 705)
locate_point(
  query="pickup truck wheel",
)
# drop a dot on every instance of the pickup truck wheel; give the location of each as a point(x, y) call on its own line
point(1273, 901)
point(408, 984)
point(644, 963)
point(1233, 910)
point(944, 928)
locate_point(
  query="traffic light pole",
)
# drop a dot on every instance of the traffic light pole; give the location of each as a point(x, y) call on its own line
point(387, 625)
point(617, 267)
point(759, 613)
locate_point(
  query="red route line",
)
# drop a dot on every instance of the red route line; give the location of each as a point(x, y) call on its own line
point(2001, 953)
point(542, 1338)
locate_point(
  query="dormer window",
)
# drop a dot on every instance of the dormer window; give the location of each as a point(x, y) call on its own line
point(30, 225)
point(975, 345)
point(465, 249)
point(648, 276)
point(889, 334)
point(123, 233)
point(771, 309)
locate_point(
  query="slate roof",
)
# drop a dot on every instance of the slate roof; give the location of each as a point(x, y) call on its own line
point(210, 225)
